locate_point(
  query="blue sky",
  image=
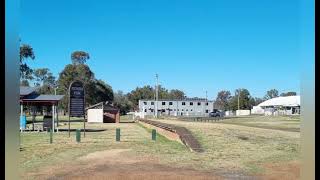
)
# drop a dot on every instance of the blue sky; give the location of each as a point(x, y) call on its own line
point(195, 46)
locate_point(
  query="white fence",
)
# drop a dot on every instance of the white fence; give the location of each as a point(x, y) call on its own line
point(243, 112)
point(257, 110)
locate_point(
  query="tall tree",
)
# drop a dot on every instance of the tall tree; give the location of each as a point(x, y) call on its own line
point(102, 92)
point(26, 52)
point(176, 94)
point(43, 76)
point(122, 102)
point(272, 93)
point(145, 92)
point(79, 57)
point(71, 73)
point(290, 93)
point(245, 100)
point(24, 83)
point(163, 93)
point(222, 100)
point(257, 101)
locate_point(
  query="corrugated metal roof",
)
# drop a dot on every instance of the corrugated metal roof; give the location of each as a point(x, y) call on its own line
point(109, 107)
point(24, 90)
point(47, 98)
point(105, 106)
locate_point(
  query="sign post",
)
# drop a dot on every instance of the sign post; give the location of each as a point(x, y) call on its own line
point(77, 102)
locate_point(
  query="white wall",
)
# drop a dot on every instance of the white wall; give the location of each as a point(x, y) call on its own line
point(243, 112)
point(257, 110)
point(229, 113)
point(95, 115)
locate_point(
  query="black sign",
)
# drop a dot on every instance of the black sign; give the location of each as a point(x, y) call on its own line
point(76, 101)
point(47, 122)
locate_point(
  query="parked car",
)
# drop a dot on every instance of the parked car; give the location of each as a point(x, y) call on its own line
point(216, 113)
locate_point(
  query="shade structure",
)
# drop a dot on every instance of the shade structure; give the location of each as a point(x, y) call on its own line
point(287, 101)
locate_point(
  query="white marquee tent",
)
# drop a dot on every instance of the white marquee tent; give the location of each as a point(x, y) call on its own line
point(287, 105)
point(288, 101)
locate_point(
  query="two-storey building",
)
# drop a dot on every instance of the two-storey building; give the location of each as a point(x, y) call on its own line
point(196, 107)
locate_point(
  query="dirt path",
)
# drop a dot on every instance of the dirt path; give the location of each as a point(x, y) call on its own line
point(117, 164)
point(122, 164)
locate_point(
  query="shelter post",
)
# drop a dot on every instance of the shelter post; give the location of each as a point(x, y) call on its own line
point(57, 119)
point(21, 109)
point(53, 117)
point(33, 117)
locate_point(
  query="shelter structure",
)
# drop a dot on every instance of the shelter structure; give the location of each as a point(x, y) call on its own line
point(103, 113)
point(287, 105)
point(30, 98)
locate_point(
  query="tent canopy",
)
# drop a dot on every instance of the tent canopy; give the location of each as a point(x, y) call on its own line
point(289, 101)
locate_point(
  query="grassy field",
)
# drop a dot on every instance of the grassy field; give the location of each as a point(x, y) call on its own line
point(286, 123)
point(230, 146)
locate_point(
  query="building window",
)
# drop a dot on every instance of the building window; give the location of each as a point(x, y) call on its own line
point(207, 111)
point(182, 109)
point(170, 103)
point(145, 110)
point(183, 103)
point(186, 109)
point(152, 103)
point(178, 109)
point(163, 110)
point(199, 103)
point(163, 103)
point(151, 110)
point(190, 109)
point(191, 103)
point(207, 104)
point(174, 109)
point(145, 103)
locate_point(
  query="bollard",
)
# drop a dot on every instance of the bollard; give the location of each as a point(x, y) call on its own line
point(50, 135)
point(154, 134)
point(78, 136)
point(118, 134)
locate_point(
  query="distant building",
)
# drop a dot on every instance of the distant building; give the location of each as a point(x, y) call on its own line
point(103, 113)
point(288, 105)
point(194, 107)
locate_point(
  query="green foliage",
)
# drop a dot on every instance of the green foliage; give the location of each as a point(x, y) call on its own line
point(102, 92)
point(257, 101)
point(43, 76)
point(46, 89)
point(290, 93)
point(26, 52)
point(245, 100)
point(24, 83)
point(176, 94)
point(148, 92)
point(222, 100)
point(96, 90)
point(71, 73)
point(79, 57)
point(122, 102)
point(272, 93)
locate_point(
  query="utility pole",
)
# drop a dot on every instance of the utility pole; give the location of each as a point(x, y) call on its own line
point(206, 96)
point(239, 99)
point(156, 107)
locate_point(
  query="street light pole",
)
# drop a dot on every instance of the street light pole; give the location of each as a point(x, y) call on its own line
point(156, 109)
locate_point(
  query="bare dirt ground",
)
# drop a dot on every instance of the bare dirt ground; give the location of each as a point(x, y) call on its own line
point(122, 164)
point(282, 171)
